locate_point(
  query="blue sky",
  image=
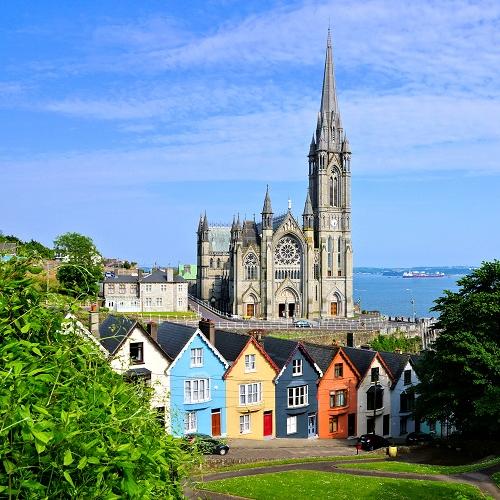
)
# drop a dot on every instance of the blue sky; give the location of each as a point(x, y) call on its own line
point(124, 120)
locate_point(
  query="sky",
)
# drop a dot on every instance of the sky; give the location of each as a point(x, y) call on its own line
point(125, 120)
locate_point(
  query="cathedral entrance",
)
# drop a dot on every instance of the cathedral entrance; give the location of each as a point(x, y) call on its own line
point(286, 310)
point(288, 306)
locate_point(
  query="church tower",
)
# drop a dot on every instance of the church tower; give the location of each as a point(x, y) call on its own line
point(330, 191)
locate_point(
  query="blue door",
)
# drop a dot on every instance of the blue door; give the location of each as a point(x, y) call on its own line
point(311, 425)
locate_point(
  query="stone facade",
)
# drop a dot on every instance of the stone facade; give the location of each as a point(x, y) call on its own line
point(279, 267)
point(154, 292)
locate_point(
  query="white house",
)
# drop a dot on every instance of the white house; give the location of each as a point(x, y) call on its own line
point(136, 353)
point(374, 391)
point(154, 292)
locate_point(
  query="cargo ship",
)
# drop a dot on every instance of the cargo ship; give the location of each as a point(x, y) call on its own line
point(422, 274)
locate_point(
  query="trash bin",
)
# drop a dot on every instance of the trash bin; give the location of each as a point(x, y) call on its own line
point(393, 451)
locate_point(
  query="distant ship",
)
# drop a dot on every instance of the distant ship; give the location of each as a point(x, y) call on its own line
point(422, 274)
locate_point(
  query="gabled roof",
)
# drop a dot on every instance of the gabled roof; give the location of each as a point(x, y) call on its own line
point(298, 347)
point(122, 278)
point(156, 276)
point(113, 330)
point(395, 362)
point(230, 344)
point(279, 350)
point(251, 340)
point(323, 355)
point(360, 358)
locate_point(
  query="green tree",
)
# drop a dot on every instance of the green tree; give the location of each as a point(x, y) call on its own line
point(36, 248)
point(81, 268)
point(460, 376)
point(70, 427)
point(392, 342)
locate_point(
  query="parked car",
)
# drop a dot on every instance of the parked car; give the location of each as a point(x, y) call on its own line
point(302, 323)
point(208, 445)
point(371, 442)
point(419, 438)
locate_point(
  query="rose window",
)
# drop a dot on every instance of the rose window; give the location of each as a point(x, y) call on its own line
point(287, 252)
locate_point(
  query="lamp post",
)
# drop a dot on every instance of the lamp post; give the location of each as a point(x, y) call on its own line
point(412, 302)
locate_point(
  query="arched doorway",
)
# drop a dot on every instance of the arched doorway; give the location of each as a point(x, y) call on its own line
point(250, 306)
point(288, 304)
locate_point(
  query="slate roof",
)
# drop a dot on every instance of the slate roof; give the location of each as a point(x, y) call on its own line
point(230, 344)
point(113, 330)
point(156, 276)
point(219, 238)
point(321, 354)
point(279, 350)
point(395, 362)
point(172, 337)
point(360, 358)
point(122, 278)
point(249, 233)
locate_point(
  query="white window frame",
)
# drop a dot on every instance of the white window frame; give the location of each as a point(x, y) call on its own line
point(163, 287)
point(291, 424)
point(148, 287)
point(245, 424)
point(159, 301)
point(190, 422)
point(249, 363)
point(296, 367)
point(196, 390)
point(149, 302)
point(250, 394)
point(196, 357)
point(299, 396)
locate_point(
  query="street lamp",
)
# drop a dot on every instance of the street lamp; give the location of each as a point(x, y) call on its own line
point(412, 302)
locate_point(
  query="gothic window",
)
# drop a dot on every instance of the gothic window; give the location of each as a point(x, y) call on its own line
point(336, 191)
point(288, 258)
point(218, 263)
point(331, 191)
point(251, 267)
point(211, 263)
point(330, 255)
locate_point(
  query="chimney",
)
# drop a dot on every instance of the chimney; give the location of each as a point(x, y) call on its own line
point(170, 274)
point(94, 323)
point(207, 327)
point(398, 351)
point(350, 339)
point(257, 334)
point(152, 329)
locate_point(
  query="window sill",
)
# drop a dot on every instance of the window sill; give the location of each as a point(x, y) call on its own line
point(298, 406)
point(297, 374)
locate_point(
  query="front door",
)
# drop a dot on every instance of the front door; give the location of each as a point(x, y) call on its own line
point(291, 310)
point(333, 308)
point(216, 423)
point(351, 424)
point(268, 423)
point(311, 425)
point(251, 310)
point(282, 310)
point(385, 424)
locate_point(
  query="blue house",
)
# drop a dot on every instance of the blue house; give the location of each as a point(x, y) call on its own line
point(296, 388)
point(197, 387)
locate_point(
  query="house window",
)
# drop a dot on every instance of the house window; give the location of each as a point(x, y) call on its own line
point(122, 288)
point(244, 424)
point(148, 288)
point(250, 393)
point(179, 287)
point(197, 391)
point(298, 396)
point(432, 426)
point(333, 424)
point(180, 302)
point(375, 396)
point(190, 422)
point(159, 301)
point(406, 401)
point(407, 377)
point(402, 425)
point(339, 370)
point(163, 288)
point(291, 425)
point(196, 357)
point(149, 301)
point(249, 363)
point(338, 398)
point(375, 374)
point(137, 352)
point(133, 288)
point(111, 288)
point(296, 367)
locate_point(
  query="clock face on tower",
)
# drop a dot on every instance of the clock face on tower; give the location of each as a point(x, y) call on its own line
point(333, 223)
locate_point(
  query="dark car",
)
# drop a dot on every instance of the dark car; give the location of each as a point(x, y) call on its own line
point(419, 438)
point(206, 444)
point(371, 442)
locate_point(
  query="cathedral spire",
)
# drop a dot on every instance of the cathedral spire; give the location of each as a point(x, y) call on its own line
point(328, 94)
point(267, 209)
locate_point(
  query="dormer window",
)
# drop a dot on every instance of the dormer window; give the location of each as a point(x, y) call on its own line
point(137, 352)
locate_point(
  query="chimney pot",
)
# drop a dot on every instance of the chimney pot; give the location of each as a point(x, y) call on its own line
point(207, 327)
point(94, 323)
point(152, 329)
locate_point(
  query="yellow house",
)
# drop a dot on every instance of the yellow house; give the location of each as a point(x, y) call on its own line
point(250, 394)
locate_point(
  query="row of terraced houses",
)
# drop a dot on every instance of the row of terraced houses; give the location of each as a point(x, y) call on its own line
point(238, 385)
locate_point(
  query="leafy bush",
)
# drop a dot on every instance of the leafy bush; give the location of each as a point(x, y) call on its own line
point(69, 426)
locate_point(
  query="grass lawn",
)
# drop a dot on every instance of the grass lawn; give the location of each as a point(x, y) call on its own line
point(267, 463)
point(163, 314)
point(394, 466)
point(314, 484)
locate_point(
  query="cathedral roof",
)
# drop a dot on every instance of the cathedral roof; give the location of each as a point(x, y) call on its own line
point(249, 233)
point(219, 238)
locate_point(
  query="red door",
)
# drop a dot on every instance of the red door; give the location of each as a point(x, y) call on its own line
point(268, 423)
point(215, 422)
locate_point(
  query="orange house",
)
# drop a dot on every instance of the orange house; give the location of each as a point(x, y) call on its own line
point(337, 392)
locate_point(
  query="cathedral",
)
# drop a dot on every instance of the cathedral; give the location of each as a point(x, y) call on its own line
point(280, 267)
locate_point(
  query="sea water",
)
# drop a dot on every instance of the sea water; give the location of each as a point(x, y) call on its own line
point(398, 296)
